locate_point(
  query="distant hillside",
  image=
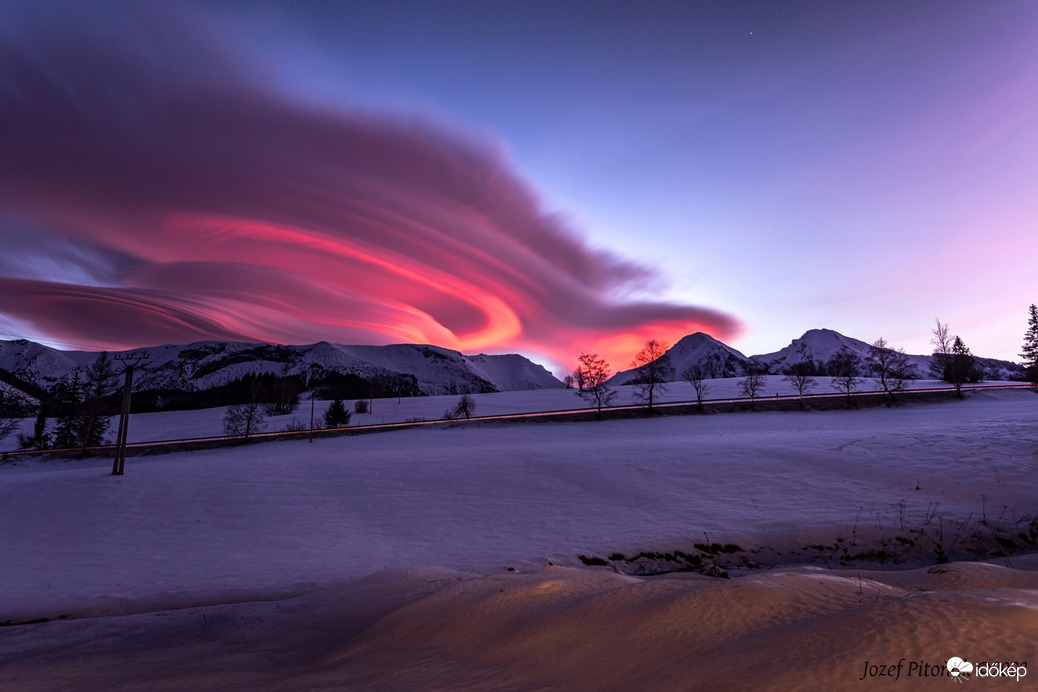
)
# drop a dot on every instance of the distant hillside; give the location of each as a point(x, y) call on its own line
point(210, 372)
point(817, 346)
point(401, 369)
point(717, 358)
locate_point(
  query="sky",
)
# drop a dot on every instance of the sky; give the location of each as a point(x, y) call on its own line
point(548, 178)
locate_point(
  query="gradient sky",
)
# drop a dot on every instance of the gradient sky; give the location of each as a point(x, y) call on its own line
point(540, 177)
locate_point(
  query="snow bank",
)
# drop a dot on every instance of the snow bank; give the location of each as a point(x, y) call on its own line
point(559, 628)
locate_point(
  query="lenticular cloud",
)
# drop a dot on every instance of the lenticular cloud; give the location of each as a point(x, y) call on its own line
point(157, 191)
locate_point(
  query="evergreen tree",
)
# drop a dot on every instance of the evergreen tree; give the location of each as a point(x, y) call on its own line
point(40, 436)
point(68, 398)
point(1030, 352)
point(961, 367)
point(336, 416)
point(100, 382)
point(39, 439)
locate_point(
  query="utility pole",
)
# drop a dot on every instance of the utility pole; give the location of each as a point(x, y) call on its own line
point(129, 360)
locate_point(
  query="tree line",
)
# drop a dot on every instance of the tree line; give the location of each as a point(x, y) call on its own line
point(76, 412)
point(890, 369)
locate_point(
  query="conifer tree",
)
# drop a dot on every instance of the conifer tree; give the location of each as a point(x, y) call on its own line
point(961, 367)
point(40, 436)
point(68, 396)
point(100, 382)
point(336, 416)
point(1030, 352)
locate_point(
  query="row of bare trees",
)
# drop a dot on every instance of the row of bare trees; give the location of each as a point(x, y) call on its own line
point(890, 368)
point(654, 372)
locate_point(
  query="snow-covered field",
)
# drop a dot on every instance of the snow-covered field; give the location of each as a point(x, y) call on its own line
point(150, 427)
point(421, 559)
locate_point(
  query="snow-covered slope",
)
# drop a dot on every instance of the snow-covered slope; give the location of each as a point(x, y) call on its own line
point(442, 371)
point(816, 345)
point(208, 364)
point(35, 363)
point(411, 368)
point(819, 345)
point(718, 359)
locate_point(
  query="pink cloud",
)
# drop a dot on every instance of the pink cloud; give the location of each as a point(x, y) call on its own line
point(240, 214)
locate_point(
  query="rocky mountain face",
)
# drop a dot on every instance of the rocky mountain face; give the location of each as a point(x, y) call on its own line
point(402, 369)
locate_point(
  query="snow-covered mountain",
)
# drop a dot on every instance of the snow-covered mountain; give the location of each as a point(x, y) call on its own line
point(400, 368)
point(718, 359)
point(819, 345)
point(816, 345)
point(26, 367)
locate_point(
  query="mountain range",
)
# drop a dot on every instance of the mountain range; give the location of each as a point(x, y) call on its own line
point(359, 371)
point(27, 368)
point(816, 346)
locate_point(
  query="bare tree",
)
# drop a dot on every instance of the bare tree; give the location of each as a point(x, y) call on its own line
point(578, 376)
point(9, 420)
point(845, 369)
point(799, 375)
point(889, 367)
point(7, 426)
point(754, 380)
point(245, 419)
point(942, 348)
point(592, 373)
point(465, 407)
point(696, 376)
point(242, 420)
point(654, 371)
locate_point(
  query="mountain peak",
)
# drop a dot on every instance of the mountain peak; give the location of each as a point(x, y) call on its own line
point(719, 359)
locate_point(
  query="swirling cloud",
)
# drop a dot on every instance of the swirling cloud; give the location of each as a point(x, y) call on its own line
point(191, 201)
